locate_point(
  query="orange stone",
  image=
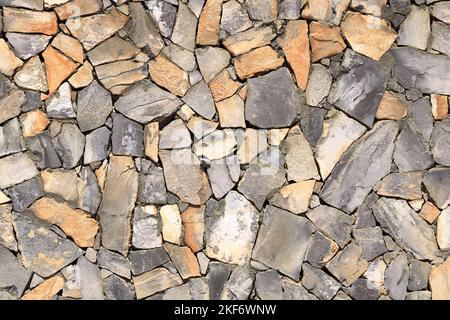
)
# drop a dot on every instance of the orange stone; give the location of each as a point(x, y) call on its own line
point(429, 212)
point(77, 8)
point(243, 92)
point(222, 86)
point(392, 107)
point(209, 23)
point(194, 227)
point(440, 281)
point(257, 61)
point(439, 106)
point(245, 41)
point(295, 45)
point(29, 21)
point(71, 47)
point(57, 67)
point(326, 40)
point(168, 75)
point(33, 122)
point(76, 223)
point(184, 260)
point(83, 77)
point(46, 290)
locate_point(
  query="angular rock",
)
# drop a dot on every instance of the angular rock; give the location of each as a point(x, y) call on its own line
point(168, 75)
point(363, 289)
point(90, 280)
point(439, 105)
point(324, 10)
point(439, 281)
point(97, 145)
point(440, 141)
point(113, 49)
point(441, 11)
point(321, 249)
point(396, 277)
point(28, 21)
point(402, 185)
point(257, 61)
point(146, 228)
point(10, 138)
point(46, 290)
point(443, 230)
point(217, 277)
point(13, 276)
point(33, 123)
point(415, 30)
point(71, 47)
point(219, 178)
point(392, 107)
point(155, 281)
point(146, 260)
point(435, 181)
point(32, 75)
point(114, 262)
point(263, 10)
point(319, 283)
point(429, 212)
point(245, 41)
point(151, 140)
point(254, 142)
point(29, 4)
point(268, 285)
point(60, 105)
point(295, 291)
point(58, 68)
point(62, 183)
point(185, 28)
point(10, 105)
point(43, 150)
point(371, 241)
point(7, 238)
point(175, 136)
point(211, 61)
point(223, 86)
point(27, 45)
point(239, 285)
point(234, 17)
point(184, 260)
point(209, 23)
point(231, 112)
point(419, 272)
point(163, 14)
point(127, 137)
point(194, 227)
point(294, 197)
point(319, 85)
point(183, 58)
point(172, 227)
point(15, 169)
point(77, 8)
point(216, 145)
point(326, 40)
point(24, 194)
point(69, 144)
point(89, 196)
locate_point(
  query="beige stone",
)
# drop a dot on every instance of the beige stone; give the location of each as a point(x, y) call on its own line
point(257, 61)
point(326, 40)
point(71, 47)
point(243, 42)
point(209, 23)
point(168, 75)
point(8, 62)
point(439, 106)
point(194, 227)
point(46, 290)
point(294, 197)
point(83, 77)
point(61, 182)
point(325, 10)
point(443, 230)
point(222, 86)
point(154, 281)
point(429, 212)
point(216, 145)
point(33, 122)
point(440, 281)
point(100, 173)
point(348, 265)
point(7, 238)
point(276, 136)
point(151, 140)
point(4, 198)
point(57, 67)
point(393, 106)
point(184, 260)
point(231, 112)
point(172, 228)
point(32, 75)
point(77, 8)
point(29, 21)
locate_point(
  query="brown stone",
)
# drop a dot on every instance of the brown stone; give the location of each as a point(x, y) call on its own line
point(168, 75)
point(440, 281)
point(222, 86)
point(429, 212)
point(78, 8)
point(393, 106)
point(8, 62)
point(257, 61)
point(295, 45)
point(57, 68)
point(243, 42)
point(326, 40)
point(46, 290)
point(368, 35)
point(231, 112)
point(294, 197)
point(151, 140)
point(71, 47)
point(439, 106)
point(154, 281)
point(194, 227)
point(33, 122)
point(28, 21)
point(74, 222)
point(209, 23)
point(83, 77)
point(184, 260)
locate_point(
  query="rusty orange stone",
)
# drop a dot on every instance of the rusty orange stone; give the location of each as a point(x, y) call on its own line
point(46, 290)
point(326, 40)
point(168, 75)
point(439, 106)
point(209, 23)
point(257, 61)
point(222, 86)
point(29, 21)
point(194, 227)
point(429, 212)
point(33, 122)
point(57, 67)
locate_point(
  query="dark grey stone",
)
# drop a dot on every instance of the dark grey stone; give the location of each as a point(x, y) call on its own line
point(437, 181)
point(89, 195)
point(217, 277)
point(363, 289)
point(239, 285)
point(14, 277)
point(371, 241)
point(33, 100)
point(268, 285)
point(396, 277)
point(311, 123)
point(89, 279)
point(118, 289)
point(69, 144)
point(152, 187)
point(319, 283)
point(114, 262)
point(400, 6)
point(321, 249)
point(421, 117)
point(43, 150)
point(23, 194)
point(290, 9)
point(440, 39)
point(419, 272)
point(440, 142)
point(97, 145)
point(147, 260)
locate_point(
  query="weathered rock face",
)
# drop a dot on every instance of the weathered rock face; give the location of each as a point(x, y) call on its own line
point(434, 181)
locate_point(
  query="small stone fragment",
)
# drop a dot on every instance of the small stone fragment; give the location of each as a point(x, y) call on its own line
point(194, 227)
point(57, 67)
point(294, 197)
point(321, 250)
point(429, 212)
point(69, 143)
point(114, 262)
point(146, 260)
point(263, 10)
point(435, 181)
point(24, 194)
point(326, 40)
point(392, 107)
point(319, 283)
point(184, 260)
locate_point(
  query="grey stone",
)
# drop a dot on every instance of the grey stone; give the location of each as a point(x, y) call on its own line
point(219, 178)
point(396, 277)
point(422, 117)
point(155, 281)
point(262, 10)
point(33, 100)
point(199, 288)
point(341, 296)
point(46, 252)
point(97, 145)
point(363, 289)
point(359, 91)
point(23, 194)
point(59, 106)
point(182, 292)
point(311, 123)
point(15, 169)
point(400, 6)
point(319, 84)
point(364, 216)
point(356, 173)
point(163, 14)
point(114, 262)
point(29, 4)
point(268, 285)
point(290, 9)
point(321, 249)
point(319, 283)
point(422, 71)
point(199, 99)
point(10, 138)
point(415, 30)
point(27, 45)
point(441, 11)
point(111, 50)
point(183, 58)
point(175, 136)
point(282, 241)
point(147, 260)
point(10, 104)
point(295, 291)
point(185, 28)
point(211, 61)
point(43, 150)
point(239, 285)
point(118, 289)
point(13, 276)
point(69, 142)
point(196, 6)
point(146, 228)
point(89, 195)
point(152, 188)
point(440, 39)
point(94, 104)
point(333, 223)
point(436, 181)
point(127, 137)
point(409, 231)
point(217, 277)
point(418, 295)
point(234, 17)
point(419, 272)
point(90, 280)
point(402, 185)
point(371, 241)
point(145, 102)
point(262, 107)
point(440, 142)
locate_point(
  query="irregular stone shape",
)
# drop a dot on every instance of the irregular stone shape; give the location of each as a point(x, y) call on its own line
point(396, 277)
point(217, 277)
point(345, 189)
point(321, 249)
point(154, 281)
point(29, 4)
point(319, 283)
point(419, 273)
point(295, 45)
point(28, 21)
point(411, 232)
point(418, 295)
point(422, 71)
point(127, 137)
point(13, 276)
point(168, 75)
point(211, 61)
point(209, 23)
point(181, 57)
point(319, 85)
point(439, 105)
point(7, 238)
point(42, 148)
point(27, 45)
point(440, 141)
point(62, 183)
point(369, 7)
point(375, 272)
point(216, 145)
point(172, 228)
point(33, 123)
point(184, 260)
point(119, 196)
point(440, 282)
point(114, 262)
point(363, 289)
point(254, 142)
point(282, 241)
point(163, 14)
point(111, 50)
point(326, 40)
point(324, 10)
point(58, 68)
point(118, 289)
point(78, 8)
point(90, 280)
point(146, 228)
point(263, 10)
point(15, 169)
point(402, 185)
point(245, 41)
point(185, 28)
point(257, 61)
point(46, 290)
point(443, 230)
point(392, 107)
point(194, 227)
point(441, 11)
point(359, 91)
point(201, 127)
point(239, 285)
point(69, 144)
point(231, 230)
point(10, 138)
point(410, 152)
point(333, 223)
point(219, 178)
point(94, 105)
point(60, 105)
point(24, 194)
point(145, 102)
point(231, 112)
point(339, 132)
point(43, 251)
point(268, 285)
point(348, 265)
point(175, 136)
point(199, 98)
point(178, 293)
point(429, 212)
point(435, 181)
point(97, 145)
point(262, 108)
point(290, 9)
point(89, 196)
point(152, 186)
point(151, 140)
point(32, 75)
point(294, 197)
point(10, 105)
point(295, 291)
point(371, 241)
point(86, 29)
point(422, 118)
point(146, 260)
point(223, 86)
point(415, 30)
point(71, 47)
point(33, 100)
point(74, 222)
point(234, 17)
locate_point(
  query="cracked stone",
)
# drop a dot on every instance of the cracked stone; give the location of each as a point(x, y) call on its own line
point(146, 228)
point(402, 185)
point(245, 41)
